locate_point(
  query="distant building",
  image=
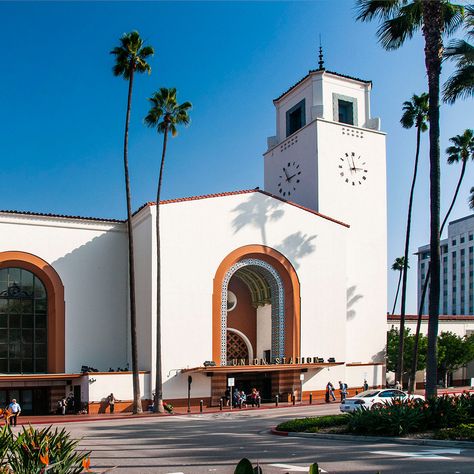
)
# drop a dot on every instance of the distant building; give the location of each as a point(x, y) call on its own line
point(457, 268)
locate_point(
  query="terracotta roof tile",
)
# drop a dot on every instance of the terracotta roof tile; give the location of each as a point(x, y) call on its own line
point(425, 317)
point(62, 216)
point(321, 70)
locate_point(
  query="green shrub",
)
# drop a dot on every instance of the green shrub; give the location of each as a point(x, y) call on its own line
point(313, 424)
point(464, 431)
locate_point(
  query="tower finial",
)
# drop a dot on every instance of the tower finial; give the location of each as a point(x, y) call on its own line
point(321, 57)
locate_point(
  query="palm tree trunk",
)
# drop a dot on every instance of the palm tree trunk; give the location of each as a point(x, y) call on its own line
point(137, 405)
point(398, 289)
point(159, 373)
point(401, 343)
point(426, 282)
point(432, 29)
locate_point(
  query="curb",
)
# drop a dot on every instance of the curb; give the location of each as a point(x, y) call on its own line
point(377, 439)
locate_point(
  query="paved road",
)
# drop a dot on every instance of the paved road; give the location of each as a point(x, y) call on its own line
point(214, 443)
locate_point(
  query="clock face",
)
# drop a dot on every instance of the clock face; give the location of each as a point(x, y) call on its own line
point(289, 179)
point(352, 168)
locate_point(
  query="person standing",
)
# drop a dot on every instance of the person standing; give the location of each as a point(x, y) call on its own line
point(111, 400)
point(15, 410)
point(366, 385)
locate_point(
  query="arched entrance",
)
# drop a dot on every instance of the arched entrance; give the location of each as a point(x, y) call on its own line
point(285, 299)
point(264, 282)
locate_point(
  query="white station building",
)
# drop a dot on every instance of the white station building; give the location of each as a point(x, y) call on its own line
point(281, 289)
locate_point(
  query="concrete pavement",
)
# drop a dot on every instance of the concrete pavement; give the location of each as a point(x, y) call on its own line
point(215, 442)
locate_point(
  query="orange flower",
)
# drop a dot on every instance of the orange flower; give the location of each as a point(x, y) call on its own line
point(44, 459)
point(86, 464)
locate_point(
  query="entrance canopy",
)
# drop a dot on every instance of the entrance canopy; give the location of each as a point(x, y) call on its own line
point(261, 368)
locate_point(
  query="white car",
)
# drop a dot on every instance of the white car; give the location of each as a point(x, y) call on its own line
point(375, 398)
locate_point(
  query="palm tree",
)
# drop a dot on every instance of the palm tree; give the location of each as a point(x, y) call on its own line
point(415, 113)
point(401, 19)
point(164, 115)
point(461, 150)
point(461, 83)
point(130, 58)
point(471, 198)
point(398, 266)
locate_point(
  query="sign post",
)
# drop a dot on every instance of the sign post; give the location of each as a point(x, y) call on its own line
point(230, 384)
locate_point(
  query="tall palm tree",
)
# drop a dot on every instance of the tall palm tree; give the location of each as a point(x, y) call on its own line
point(165, 115)
point(130, 58)
point(461, 150)
point(415, 113)
point(401, 19)
point(398, 266)
point(461, 83)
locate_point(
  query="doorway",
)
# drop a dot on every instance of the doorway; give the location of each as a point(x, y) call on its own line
point(262, 381)
point(33, 401)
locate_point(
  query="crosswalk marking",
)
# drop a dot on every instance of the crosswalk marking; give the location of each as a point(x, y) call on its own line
point(425, 454)
point(290, 467)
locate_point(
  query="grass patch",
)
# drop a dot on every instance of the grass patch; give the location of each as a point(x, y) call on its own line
point(313, 425)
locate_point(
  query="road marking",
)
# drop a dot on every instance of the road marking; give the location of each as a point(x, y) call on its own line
point(425, 454)
point(289, 467)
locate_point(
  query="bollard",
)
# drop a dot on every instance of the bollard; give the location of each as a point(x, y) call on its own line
point(293, 399)
point(311, 398)
point(277, 399)
point(220, 404)
point(200, 405)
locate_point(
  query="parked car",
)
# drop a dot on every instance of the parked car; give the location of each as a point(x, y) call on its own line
point(375, 398)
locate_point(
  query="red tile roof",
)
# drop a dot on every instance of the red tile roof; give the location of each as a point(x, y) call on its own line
point(442, 317)
point(243, 191)
point(62, 216)
point(172, 201)
point(321, 70)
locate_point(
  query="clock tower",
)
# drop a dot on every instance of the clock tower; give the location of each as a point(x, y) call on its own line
point(328, 155)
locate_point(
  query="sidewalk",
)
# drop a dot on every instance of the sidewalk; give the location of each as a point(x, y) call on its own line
point(59, 419)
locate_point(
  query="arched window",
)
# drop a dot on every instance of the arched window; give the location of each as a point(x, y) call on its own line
point(23, 322)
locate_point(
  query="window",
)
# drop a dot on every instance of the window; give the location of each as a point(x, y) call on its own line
point(345, 112)
point(295, 118)
point(462, 251)
point(471, 249)
point(23, 322)
point(453, 242)
point(422, 266)
point(445, 259)
point(454, 254)
point(462, 240)
point(470, 236)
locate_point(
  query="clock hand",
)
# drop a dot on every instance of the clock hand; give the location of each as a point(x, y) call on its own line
point(286, 174)
point(292, 176)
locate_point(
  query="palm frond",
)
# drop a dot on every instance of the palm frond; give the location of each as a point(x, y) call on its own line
point(394, 31)
point(453, 17)
point(368, 10)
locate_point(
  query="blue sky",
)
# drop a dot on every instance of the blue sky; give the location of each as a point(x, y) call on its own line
point(62, 111)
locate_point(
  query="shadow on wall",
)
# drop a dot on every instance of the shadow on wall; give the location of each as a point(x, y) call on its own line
point(96, 293)
point(352, 299)
point(260, 210)
point(296, 246)
point(257, 211)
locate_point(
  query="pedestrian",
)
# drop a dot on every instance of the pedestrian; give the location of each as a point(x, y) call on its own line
point(330, 388)
point(366, 385)
point(64, 404)
point(227, 397)
point(243, 399)
point(236, 398)
point(343, 391)
point(15, 410)
point(111, 400)
point(398, 385)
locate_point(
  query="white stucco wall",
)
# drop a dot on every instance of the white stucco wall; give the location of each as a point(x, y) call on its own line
point(192, 252)
point(97, 387)
point(90, 258)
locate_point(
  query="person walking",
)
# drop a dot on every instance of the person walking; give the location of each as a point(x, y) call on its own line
point(111, 399)
point(343, 391)
point(15, 410)
point(330, 392)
